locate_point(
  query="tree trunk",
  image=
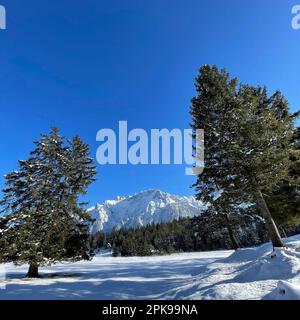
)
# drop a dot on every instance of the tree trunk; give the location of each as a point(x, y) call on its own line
point(233, 239)
point(274, 234)
point(283, 231)
point(33, 271)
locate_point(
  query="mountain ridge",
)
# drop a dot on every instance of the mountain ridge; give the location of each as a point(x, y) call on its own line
point(143, 208)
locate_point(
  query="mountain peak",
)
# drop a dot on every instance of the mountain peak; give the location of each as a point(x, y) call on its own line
point(143, 208)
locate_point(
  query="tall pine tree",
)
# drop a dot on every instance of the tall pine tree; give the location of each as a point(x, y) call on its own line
point(247, 141)
point(43, 221)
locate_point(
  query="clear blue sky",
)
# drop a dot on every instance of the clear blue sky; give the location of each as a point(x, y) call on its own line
point(85, 65)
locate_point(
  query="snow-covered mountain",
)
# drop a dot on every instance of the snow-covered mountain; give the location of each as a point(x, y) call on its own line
point(147, 207)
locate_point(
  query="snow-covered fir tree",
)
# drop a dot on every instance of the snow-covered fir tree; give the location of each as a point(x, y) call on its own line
point(43, 221)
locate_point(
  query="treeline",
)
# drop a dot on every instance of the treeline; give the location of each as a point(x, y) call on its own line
point(211, 231)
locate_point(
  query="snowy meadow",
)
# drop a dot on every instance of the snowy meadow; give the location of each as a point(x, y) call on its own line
point(251, 274)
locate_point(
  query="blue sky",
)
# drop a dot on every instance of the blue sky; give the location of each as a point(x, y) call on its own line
point(85, 65)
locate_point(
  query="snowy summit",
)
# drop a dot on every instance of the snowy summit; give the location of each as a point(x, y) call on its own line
point(144, 208)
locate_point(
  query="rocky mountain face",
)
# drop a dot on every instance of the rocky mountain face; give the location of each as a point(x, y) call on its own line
point(144, 208)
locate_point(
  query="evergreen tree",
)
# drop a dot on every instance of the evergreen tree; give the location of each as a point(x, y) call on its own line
point(43, 221)
point(247, 141)
point(284, 199)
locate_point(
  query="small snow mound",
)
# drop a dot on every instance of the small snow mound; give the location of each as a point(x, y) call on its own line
point(263, 264)
point(286, 291)
point(249, 254)
point(252, 273)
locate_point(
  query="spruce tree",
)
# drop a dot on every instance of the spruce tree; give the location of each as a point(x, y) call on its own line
point(43, 221)
point(284, 199)
point(247, 141)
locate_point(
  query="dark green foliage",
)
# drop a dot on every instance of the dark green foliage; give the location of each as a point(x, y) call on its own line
point(284, 200)
point(43, 221)
point(247, 142)
point(98, 240)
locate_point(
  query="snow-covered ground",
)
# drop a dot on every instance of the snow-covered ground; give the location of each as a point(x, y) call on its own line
point(254, 273)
